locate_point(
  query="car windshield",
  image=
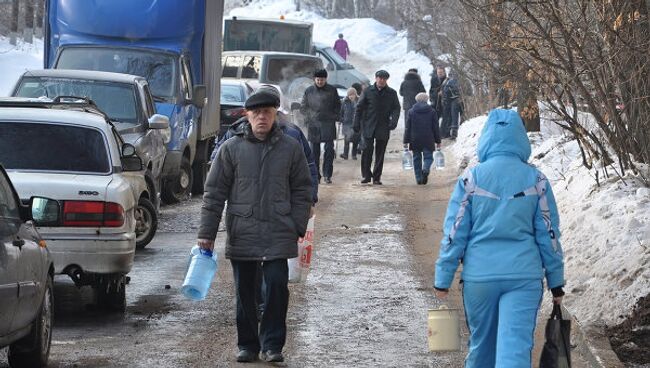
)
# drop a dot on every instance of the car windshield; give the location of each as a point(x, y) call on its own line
point(117, 100)
point(338, 60)
point(283, 70)
point(158, 69)
point(231, 93)
point(53, 147)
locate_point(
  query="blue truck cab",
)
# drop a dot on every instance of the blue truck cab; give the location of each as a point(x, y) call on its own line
point(174, 44)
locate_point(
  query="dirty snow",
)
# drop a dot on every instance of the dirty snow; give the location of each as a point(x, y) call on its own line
point(15, 60)
point(605, 230)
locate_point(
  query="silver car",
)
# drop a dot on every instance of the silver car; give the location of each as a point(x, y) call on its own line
point(26, 273)
point(128, 103)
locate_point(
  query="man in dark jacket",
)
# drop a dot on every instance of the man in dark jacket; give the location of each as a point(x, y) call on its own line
point(422, 136)
point(321, 106)
point(435, 91)
point(411, 86)
point(452, 106)
point(377, 114)
point(263, 175)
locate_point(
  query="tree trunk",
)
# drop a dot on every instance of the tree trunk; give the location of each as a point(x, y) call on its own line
point(28, 32)
point(357, 8)
point(297, 5)
point(13, 29)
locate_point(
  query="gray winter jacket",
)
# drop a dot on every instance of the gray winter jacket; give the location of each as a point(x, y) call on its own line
point(268, 189)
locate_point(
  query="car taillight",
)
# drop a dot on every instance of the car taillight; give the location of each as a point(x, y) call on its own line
point(235, 113)
point(92, 214)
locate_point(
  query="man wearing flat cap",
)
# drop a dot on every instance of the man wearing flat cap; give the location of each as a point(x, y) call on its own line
point(321, 107)
point(377, 114)
point(263, 175)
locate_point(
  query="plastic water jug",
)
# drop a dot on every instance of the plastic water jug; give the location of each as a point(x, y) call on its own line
point(201, 271)
point(439, 160)
point(407, 160)
point(443, 329)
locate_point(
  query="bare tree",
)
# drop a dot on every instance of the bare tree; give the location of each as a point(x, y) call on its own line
point(13, 29)
point(28, 31)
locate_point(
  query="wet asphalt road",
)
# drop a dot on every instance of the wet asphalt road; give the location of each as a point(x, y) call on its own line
point(364, 303)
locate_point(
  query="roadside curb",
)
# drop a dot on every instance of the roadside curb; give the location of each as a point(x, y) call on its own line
point(593, 345)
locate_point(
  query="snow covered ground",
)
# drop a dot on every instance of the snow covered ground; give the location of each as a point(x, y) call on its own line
point(14, 60)
point(605, 230)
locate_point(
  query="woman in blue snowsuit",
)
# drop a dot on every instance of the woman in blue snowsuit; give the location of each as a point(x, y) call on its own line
point(502, 224)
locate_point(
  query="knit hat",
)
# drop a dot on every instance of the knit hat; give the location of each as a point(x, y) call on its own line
point(320, 73)
point(382, 74)
point(263, 97)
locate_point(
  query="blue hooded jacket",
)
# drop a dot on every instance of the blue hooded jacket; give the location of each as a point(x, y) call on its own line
point(502, 220)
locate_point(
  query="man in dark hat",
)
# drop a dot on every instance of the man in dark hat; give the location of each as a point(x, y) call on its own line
point(263, 175)
point(377, 114)
point(321, 106)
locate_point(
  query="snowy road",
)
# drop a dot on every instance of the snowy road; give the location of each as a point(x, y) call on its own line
point(364, 303)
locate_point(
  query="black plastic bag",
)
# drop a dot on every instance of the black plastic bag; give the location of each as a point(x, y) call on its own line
point(557, 348)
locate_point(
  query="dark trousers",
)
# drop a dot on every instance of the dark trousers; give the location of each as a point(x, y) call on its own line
point(346, 147)
point(445, 125)
point(379, 148)
point(271, 332)
point(454, 110)
point(422, 161)
point(328, 158)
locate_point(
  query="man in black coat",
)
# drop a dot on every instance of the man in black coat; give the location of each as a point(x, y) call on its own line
point(321, 106)
point(410, 87)
point(435, 91)
point(377, 114)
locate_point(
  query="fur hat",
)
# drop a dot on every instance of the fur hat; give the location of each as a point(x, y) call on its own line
point(320, 73)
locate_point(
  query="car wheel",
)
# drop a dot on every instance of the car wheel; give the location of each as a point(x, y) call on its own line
point(146, 223)
point(33, 350)
point(179, 188)
point(110, 292)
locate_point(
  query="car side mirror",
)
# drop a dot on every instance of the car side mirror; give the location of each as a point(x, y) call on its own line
point(132, 163)
point(158, 121)
point(198, 95)
point(295, 106)
point(130, 160)
point(128, 150)
point(44, 211)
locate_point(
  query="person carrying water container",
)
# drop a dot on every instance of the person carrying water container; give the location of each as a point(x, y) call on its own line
point(263, 174)
point(422, 136)
point(503, 223)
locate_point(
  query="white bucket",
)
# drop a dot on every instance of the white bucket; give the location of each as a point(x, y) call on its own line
point(443, 329)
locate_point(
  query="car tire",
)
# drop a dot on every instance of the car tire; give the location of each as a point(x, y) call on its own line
point(33, 350)
point(146, 222)
point(201, 165)
point(179, 188)
point(110, 292)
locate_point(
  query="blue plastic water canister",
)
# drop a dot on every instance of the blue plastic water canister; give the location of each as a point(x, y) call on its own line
point(439, 160)
point(407, 160)
point(201, 271)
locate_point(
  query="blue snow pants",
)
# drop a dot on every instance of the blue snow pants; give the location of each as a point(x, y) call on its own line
point(501, 317)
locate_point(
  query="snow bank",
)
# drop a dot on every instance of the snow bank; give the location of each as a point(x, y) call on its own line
point(15, 60)
point(605, 230)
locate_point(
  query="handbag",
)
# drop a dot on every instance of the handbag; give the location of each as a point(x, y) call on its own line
point(557, 348)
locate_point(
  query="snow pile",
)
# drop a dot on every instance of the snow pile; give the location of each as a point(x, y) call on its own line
point(15, 60)
point(374, 41)
point(605, 230)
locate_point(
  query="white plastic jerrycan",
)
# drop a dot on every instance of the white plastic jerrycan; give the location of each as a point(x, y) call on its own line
point(439, 160)
point(443, 329)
